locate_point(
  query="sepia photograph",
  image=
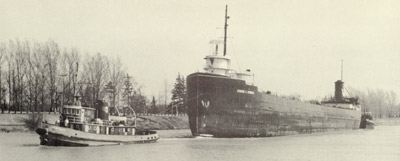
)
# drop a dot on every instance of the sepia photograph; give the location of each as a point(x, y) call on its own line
point(186, 80)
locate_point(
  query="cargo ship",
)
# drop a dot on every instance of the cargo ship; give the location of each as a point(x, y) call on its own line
point(223, 102)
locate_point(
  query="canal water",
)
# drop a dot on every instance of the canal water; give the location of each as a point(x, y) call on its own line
point(382, 143)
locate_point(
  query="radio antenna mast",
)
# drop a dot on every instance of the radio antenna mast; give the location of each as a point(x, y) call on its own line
point(341, 77)
point(225, 28)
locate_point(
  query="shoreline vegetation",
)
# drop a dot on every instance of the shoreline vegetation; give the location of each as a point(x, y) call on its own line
point(42, 77)
point(29, 122)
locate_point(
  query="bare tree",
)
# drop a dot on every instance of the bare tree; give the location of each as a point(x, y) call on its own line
point(52, 52)
point(166, 91)
point(70, 66)
point(95, 72)
point(30, 79)
point(117, 71)
point(10, 57)
point(16, 66)
point(392, 102)
point(40, 73)
point(2, 60)
point(36, 76)
point(23, 50)
point(381, 103)
point(32, 74)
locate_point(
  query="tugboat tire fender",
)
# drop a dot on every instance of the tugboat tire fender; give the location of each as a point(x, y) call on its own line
point(41, 131)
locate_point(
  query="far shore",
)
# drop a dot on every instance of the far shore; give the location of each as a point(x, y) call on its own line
point(387, 121)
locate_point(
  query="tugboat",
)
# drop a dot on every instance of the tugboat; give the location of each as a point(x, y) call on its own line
point(85, 126)
point(366, 121)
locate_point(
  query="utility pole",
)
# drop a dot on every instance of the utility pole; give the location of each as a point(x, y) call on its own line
point(165, 95)
point(128, 89)
point(62, 95)
point(74, 79)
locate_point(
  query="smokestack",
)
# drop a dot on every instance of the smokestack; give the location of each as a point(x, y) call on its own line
point(339, 91)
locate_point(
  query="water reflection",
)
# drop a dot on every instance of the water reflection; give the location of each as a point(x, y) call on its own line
point(380, 144)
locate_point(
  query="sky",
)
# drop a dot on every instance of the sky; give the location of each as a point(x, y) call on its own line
point(292, 47)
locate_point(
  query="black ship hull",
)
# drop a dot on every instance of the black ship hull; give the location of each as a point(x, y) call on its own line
point(225, 107)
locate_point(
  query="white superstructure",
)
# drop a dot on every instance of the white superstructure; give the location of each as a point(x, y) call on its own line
point(221, 65)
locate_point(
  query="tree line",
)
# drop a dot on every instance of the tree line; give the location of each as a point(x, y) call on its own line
point(39, 76)
point(381, 103)
point(177, 105)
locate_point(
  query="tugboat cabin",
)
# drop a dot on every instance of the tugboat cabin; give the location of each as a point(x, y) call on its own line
point(96, 121)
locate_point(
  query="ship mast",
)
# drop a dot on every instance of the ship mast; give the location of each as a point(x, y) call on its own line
point(219, 64)
point(225, 28)
point(341, 77)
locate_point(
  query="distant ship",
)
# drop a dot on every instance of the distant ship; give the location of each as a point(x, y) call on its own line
point(224, 103)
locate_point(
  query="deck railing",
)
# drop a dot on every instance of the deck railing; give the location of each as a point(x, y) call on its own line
point(73, 119)
point(148, 114)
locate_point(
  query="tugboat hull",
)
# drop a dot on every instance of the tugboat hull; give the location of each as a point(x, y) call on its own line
point(54, 135)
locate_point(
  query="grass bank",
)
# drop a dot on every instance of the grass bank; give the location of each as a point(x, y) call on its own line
point(18, 122)
point(163, 122)
point(387, 121)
